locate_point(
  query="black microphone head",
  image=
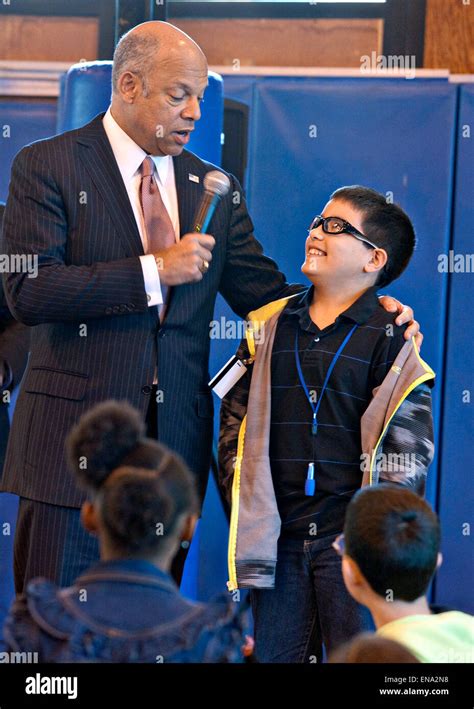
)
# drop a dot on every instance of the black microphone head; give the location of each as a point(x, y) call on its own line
point(216, 183)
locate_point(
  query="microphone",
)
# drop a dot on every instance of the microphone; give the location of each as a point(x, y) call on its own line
point(216, 186)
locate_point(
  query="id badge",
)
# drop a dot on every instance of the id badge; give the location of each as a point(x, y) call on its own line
point(228, 376)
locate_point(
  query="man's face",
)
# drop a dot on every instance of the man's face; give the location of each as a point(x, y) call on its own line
point(339, 256)
point(162, 118)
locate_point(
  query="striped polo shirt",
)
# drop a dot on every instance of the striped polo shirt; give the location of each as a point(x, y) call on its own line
point(336, 449)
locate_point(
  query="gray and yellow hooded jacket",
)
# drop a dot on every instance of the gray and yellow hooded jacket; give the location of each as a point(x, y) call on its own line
point(244, 463)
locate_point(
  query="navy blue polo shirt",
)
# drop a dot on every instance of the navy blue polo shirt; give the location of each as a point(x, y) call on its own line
point(336, 449)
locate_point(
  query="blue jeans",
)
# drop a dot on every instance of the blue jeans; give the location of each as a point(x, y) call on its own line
point(308, 607)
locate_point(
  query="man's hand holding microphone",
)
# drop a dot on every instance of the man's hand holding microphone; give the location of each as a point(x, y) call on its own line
point(189, 259)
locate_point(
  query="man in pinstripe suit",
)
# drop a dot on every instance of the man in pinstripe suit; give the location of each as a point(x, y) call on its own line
point(75, 202)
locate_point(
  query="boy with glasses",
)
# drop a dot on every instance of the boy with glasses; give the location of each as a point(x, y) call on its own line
point(332, 399)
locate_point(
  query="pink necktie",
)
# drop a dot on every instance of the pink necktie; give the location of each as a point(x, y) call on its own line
point(159, 229)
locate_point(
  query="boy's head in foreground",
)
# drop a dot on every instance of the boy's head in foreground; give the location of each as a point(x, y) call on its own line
point(369, 648)
point(391, 546)
point(370, 242)
point(142, 500)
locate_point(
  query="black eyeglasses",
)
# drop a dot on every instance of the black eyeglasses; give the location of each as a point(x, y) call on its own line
point(336, 225)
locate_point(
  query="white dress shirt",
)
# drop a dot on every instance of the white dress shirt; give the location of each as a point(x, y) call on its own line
point(129, 157)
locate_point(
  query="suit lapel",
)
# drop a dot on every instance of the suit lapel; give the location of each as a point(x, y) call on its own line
point(98, 158)
point(189, 193)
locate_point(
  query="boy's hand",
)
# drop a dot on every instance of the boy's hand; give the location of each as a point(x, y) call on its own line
point(406, 316)
point(248, 648)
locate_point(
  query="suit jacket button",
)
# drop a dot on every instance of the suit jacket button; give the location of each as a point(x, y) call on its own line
point(108, 311)
point(146, 389)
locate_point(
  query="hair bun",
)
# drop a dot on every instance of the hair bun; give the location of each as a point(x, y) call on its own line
point(101, 439)
point(135, 502)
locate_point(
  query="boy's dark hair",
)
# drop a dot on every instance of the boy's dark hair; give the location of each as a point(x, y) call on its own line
point(386, 225)
point(393, 535)
point(141, 483)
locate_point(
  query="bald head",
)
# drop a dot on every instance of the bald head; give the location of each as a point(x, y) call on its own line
point(159, 77)
point(146, 46)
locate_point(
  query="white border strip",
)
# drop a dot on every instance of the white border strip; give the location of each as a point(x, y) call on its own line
point(326, 71)
point(34, 66)
point(31, 78)
point(462, 78)
point(18, 78)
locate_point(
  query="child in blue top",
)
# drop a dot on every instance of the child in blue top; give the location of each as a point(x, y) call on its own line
point(142, 504)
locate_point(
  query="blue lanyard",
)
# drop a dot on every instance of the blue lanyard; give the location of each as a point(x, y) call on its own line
point(310, 482)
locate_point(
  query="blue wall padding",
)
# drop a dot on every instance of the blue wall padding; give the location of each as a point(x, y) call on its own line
point(85, 91)
point(456, 491)
point(28, 120)
point(379, 133)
